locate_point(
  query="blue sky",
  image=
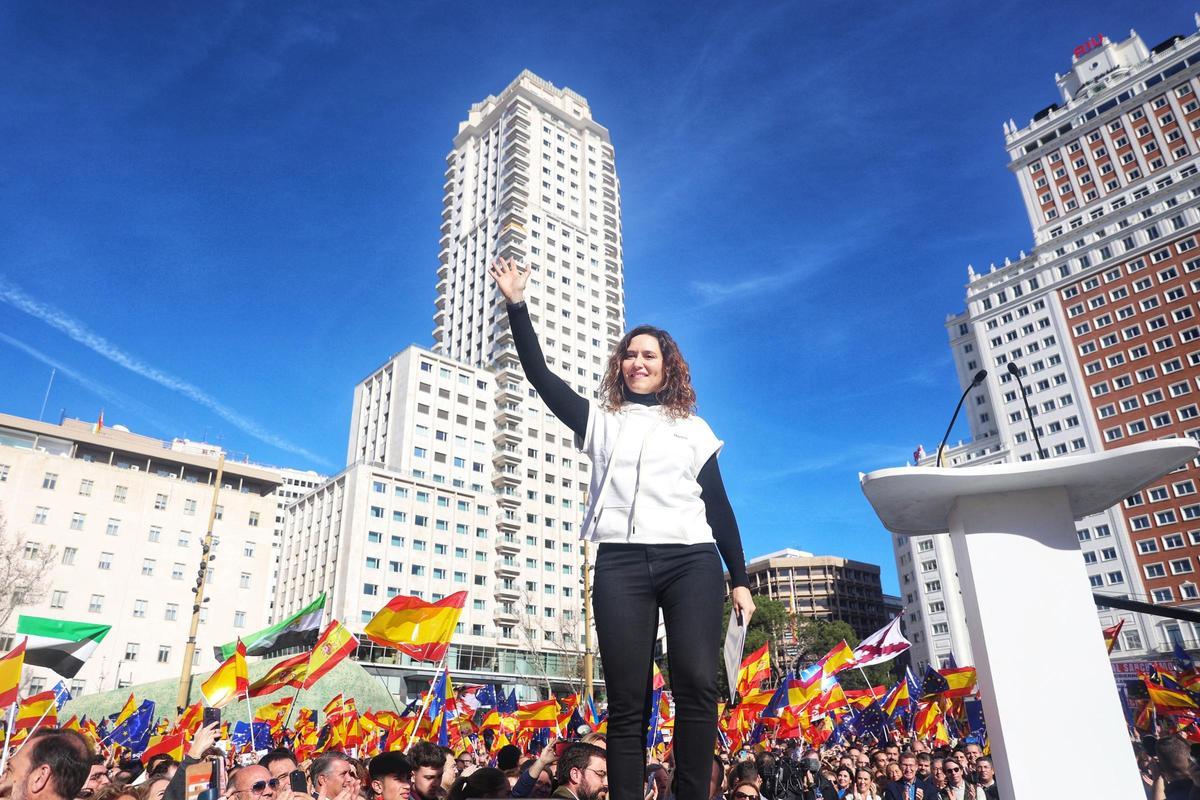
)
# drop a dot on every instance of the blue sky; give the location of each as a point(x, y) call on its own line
point(218, 217)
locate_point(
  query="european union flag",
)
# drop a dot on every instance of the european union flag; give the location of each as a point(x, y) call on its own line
point(134, 733)
point(933, 683)
point(870, 720)
point(1182, 658)
point(508, 705)
point(258, 737)
point(62, 696)
point(437, 695)
point(487, 696)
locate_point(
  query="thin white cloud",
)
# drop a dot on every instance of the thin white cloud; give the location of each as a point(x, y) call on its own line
point(76, 330)
point(108, 394)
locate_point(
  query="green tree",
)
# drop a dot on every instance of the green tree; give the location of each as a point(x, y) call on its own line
point(770, 622)
point(816, 637)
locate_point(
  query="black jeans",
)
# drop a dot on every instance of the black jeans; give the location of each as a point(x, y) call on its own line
point(633, 582)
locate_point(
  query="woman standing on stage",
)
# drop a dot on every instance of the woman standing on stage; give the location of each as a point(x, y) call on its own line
point(656, 507)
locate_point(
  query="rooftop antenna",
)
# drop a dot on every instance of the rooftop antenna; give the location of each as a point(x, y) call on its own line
point(42, 413)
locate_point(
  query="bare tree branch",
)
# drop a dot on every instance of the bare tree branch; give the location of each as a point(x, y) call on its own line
point(25, 568)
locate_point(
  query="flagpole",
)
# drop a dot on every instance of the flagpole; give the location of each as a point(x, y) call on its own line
point(183, 697)
point(12, 714)
point(292, 708)
point(35, 726)
point(250, 719)
point(428, 697)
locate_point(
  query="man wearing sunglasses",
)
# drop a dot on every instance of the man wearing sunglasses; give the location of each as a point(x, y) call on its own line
point(957, 787)
point(255, 783)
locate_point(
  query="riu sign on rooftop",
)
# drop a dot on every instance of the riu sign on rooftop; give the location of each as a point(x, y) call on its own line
point(1090, 45)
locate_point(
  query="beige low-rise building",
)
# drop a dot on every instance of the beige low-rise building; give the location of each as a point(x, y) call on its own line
point(126, 515)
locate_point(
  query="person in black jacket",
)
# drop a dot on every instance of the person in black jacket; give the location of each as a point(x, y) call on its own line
point(910, 787)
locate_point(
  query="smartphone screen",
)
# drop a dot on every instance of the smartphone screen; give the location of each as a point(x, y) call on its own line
point(298, 781)
point(212, 715)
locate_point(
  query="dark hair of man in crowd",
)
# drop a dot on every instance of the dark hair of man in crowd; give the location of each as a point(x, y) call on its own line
point(324, 763)
point(485, 782)
point(743, 771)
point(426, 754)
point(1174, 754)
point(67, 754)
point(577, 756)
point(159, 765)
point(278, 754)
point(508, 757)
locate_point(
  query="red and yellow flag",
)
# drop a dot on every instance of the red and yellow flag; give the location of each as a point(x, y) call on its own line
point(415, 627)
point(1165, 699)
point(1110, 635)
point(10, 674)
point(170, 744)
point(961, 681)
point(837, 659)
point(335, 644)
point(229, 681)
point(538, 715)
point(289, 672)
point(190, 720)
point(36, 710)
point(755, 668)
point(126, 711)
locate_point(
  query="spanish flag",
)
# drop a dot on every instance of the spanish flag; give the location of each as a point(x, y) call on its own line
point(334, 644)
point(126, 711)
point(1110, 635)
point(170, 744)
point(1169, 697)
point(10, 674)
point(273, 711)
point(961, 681)
point(416, 628)
point(191, 719)
point(755, 668)
point(229, 681)
point(837, 659)
point(538, 715)
point(288, 672)
point(36, 709)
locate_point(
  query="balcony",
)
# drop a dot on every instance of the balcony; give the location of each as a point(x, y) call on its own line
point(506, 437)
point(510, 392)
point(508, 522)
point(506, 616)
point(507, 592)
point(507, 457)
point(507, 545)
point(508, 412)
point(507, 567)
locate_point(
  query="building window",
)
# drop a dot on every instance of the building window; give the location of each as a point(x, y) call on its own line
point(85, 488)
point(139, 609)
point(96, 603)
point(164, 654)
point(131, 651)
point(239, 619)
point(160, 502)
point(172, 612)
point(114, 527)
point(58, 599)
point(39, 515)
point(105, 561)
point(147, 566)
point(49, 480)
point(77, 521)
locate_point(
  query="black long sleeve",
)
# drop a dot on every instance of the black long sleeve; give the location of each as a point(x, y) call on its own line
point(723, 523)
point(570, 408)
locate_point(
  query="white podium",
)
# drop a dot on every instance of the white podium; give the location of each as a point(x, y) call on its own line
point(1053, 715)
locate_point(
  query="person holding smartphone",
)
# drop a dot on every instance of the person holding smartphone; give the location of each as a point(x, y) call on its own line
point(658, 510)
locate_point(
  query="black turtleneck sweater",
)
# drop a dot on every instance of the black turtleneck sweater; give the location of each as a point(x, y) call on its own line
point(572, 410)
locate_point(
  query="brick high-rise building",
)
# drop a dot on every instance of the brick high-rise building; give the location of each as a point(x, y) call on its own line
point(1100, 319)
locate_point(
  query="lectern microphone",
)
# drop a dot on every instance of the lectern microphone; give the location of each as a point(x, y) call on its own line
point(978, 379)
point(1016, 373)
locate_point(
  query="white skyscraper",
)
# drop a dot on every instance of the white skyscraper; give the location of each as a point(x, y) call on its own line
point(458, 477)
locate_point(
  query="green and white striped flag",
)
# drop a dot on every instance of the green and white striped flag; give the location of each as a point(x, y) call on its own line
point(299, 630)
point(59, 644)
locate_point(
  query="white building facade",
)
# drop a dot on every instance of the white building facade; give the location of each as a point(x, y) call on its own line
point(451, 445)
point(125, 516)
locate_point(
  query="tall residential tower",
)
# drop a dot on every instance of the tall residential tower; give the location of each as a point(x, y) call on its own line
point(457, 476)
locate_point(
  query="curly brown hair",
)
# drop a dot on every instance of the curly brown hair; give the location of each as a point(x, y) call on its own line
point(677, 396)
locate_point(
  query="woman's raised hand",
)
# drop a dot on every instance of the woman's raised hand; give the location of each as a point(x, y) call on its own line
point(510, 279)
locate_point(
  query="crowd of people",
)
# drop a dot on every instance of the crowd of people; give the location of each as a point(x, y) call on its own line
point(60, 764)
